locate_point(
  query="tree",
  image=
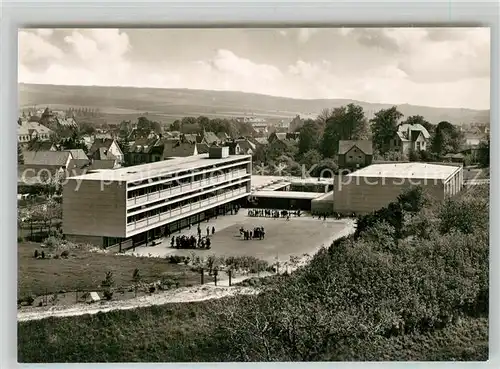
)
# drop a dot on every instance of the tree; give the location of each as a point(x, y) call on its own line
point(176, 125)
point(310, 159)
point(447, 138)
point(144, 126)
point(325, 168)
point(484, 154)
point(384, 125)
point(124, 146)
point(87, 128)
point(20, 156)
point(418, 119)
point(323, 116)
point(345, 123)
point(310, 136)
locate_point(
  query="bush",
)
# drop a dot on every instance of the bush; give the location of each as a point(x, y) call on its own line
point(169, 283)
point(65, 254)
point(136, 276)
point(108, 280)
point(108, 294)
point(51, 242)
point(152, 289)
point(176, 259)
point(30, 299)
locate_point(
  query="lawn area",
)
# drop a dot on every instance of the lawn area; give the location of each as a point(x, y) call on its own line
point(185, 333)
point(84, 270)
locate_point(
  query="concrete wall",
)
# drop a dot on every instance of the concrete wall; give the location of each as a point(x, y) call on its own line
point(94, 208)
point(323, 204)
point(359, 196)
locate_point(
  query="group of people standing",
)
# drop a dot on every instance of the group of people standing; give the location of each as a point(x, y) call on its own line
point(192, 242)
point(258, 232)
point(268, 213)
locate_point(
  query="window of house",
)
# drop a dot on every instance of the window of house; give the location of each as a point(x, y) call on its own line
point(350, 156)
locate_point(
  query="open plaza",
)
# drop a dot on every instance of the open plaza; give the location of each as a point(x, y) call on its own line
point(283, 238)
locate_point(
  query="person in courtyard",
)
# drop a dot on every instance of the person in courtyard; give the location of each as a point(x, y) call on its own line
point(213, 230)
point(172, 241)
point(208, 243)
point(208, 231)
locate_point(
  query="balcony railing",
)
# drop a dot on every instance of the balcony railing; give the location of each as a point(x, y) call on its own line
point(177, 190)
point(184, 210)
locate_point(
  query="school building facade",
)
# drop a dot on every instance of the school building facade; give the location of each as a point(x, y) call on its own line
point(130, 206)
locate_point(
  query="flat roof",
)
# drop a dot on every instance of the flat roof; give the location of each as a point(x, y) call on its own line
point(159, 168)
point(265, 182)
point(287, 195)
point(406, 170)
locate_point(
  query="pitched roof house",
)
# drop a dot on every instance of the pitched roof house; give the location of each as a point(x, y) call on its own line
point(355, 153)
point(410, 137)
point(208, 137)
point(179, 148)
point(27, 131)
point(106, 149)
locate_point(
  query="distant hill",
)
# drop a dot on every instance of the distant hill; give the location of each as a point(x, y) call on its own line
point(175, 103)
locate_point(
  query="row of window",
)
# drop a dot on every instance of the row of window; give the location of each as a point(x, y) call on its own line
point(180, 181)
point(167, 208)
point(179, 196)
point(187, 172)
point(27, 137)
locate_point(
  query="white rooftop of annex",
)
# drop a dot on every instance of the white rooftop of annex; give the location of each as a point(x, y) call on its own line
point(407, 170)
point(261, 182)
point(294, 195)
point(157, 169)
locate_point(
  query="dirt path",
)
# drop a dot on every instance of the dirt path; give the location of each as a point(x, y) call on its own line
point(190, 294)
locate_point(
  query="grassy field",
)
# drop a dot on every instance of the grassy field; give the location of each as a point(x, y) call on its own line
point(185, 332)
point(85, 270)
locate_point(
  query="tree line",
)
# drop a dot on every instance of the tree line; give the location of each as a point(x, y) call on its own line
point(319, 138)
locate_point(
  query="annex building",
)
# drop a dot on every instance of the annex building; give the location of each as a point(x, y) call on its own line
point(132, 205)
point(375, 186)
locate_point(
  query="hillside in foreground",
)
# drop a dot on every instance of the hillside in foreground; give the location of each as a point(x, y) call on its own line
point(175, 103)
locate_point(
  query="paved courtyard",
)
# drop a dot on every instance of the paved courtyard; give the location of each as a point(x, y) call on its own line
point(283, 238)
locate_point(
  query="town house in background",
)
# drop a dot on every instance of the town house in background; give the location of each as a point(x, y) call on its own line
point(410, 137)
point(355, 154)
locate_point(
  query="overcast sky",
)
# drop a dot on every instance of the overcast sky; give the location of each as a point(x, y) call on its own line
point(444, 67)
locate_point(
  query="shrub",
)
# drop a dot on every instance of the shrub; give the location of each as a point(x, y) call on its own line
point(152, 289)
point(56, 256)
point(176, 259)
point(30, 299)
point(108, 280)
point(65, 254)
point(136, 275)
point(169, 283)
point(51, 242)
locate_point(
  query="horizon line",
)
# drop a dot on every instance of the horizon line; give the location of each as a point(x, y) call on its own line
point(259, 94)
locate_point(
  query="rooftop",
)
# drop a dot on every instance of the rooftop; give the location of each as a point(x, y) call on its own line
point(159, 168)
point(288, 195)
point(407, 170)
point(275, 182)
